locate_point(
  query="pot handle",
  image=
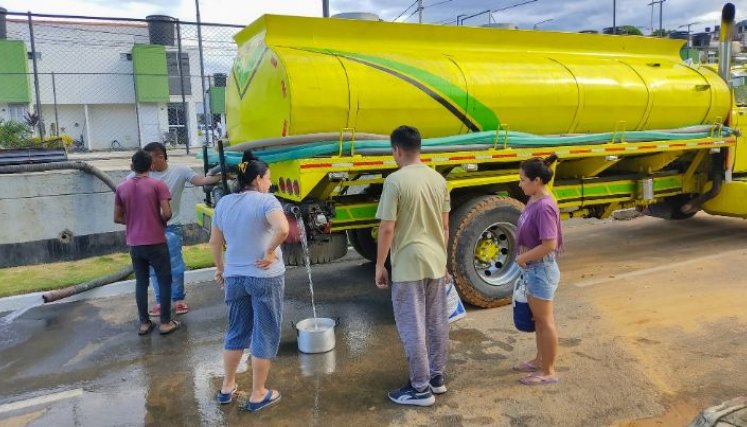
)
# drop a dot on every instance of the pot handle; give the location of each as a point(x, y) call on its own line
point(293, 325)
point(337, 321)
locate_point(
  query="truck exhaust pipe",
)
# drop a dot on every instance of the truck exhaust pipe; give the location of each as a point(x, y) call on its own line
point(728, 14)
point(719, 169)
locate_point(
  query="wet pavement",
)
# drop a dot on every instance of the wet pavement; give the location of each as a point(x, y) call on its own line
point(651, 316)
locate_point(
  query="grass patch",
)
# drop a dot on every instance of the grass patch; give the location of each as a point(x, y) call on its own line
point(45, 277)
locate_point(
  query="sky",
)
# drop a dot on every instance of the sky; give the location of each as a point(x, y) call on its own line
point(559, 15)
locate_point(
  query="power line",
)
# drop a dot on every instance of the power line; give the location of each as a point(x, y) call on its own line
point(405, 11)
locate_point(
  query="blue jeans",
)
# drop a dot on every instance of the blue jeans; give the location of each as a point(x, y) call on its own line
point(175, 240)
point(542, 278)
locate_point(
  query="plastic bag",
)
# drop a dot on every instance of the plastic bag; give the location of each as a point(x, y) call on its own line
point(454, 307)
point(523, 318)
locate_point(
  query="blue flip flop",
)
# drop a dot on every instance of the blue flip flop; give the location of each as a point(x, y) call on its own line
point(265, 403)
point(226, 398)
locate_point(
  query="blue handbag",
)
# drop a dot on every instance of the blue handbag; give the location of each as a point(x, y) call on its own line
point(523, 318)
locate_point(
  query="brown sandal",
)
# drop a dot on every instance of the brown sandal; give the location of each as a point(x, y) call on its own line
point(176, 324)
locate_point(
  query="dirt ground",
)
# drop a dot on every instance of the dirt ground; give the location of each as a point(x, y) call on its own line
point(652, 318)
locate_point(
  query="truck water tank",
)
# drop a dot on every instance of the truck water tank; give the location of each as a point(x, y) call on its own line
point(298, 75)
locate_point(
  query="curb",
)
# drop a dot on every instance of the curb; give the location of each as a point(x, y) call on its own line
point(18, 302)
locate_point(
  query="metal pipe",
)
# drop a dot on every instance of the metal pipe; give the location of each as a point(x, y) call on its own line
point(137, 110)
point(614, 17)
point(661, 15)
point(56, 113)
point(476, 14)
point(325, 8)
point(727, 26)
point(202, 72)
point(36, 79)
point(181, 81)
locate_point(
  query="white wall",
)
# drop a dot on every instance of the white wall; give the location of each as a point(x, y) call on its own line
point(72, 119)
point(153, 119)
point(109, 122)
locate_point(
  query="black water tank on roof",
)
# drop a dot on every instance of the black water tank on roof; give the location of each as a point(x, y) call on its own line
point(3, 27)
point(161, 29)
point(219, 80)
point(701, 40)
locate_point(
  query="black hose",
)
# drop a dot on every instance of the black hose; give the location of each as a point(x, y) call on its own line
point(696, 204)
point(98, 173)
point(222, 159)
point(74, 165)
point(86, 286)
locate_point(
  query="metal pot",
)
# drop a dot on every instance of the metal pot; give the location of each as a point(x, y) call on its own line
point(316, 335)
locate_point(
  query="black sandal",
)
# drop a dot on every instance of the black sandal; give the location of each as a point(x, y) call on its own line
point(149, 329)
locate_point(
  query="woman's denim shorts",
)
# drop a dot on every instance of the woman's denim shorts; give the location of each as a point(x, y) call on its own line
point(542, 278)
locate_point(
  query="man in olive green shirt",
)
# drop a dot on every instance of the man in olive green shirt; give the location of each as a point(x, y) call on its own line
point(414, 214)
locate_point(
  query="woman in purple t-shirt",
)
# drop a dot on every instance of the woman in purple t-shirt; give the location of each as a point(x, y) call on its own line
point(539, 238)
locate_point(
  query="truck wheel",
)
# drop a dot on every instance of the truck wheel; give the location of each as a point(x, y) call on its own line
point(321, 251)
point(482, 247)
point(364, 243)
point(670, 208)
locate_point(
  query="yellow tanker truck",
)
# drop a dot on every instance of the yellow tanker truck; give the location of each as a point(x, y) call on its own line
point(632, 125)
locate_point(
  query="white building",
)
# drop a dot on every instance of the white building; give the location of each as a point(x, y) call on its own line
point(88, 73)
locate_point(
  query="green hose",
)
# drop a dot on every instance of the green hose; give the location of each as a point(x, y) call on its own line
point(471, 142)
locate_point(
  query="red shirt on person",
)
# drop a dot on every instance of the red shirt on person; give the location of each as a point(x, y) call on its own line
point(140, 198)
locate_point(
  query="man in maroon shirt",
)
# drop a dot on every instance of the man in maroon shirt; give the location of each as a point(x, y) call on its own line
point(142, 205)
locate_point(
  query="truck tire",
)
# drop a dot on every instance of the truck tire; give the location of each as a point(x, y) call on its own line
point(363, 242)
point(670, 208)
point(482, 247)
point(320, 251)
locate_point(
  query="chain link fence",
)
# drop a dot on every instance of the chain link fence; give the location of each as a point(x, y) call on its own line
point(115, 83)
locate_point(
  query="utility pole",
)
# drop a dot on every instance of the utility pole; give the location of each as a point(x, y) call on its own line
point(614, 16)
point(325, 8)
point(661, 20)
point(689, 39)
point(420, 11)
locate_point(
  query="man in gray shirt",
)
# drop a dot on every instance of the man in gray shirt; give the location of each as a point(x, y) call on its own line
point(175, 176)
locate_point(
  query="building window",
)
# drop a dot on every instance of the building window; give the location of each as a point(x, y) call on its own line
point(126, 56)
point(31, 55)
point(18, 112)
point(175, 85)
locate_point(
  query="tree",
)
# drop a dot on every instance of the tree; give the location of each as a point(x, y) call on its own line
point(629, 30)
point(659, 33)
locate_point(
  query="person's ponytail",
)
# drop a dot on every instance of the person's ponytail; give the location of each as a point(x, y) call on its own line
point(539, 168)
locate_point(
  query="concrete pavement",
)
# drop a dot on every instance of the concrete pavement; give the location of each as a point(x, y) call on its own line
point(651, 316)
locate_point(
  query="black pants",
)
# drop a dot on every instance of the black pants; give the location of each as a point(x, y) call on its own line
point(156, 256)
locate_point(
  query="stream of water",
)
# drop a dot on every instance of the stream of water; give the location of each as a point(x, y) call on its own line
point(307, 261)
